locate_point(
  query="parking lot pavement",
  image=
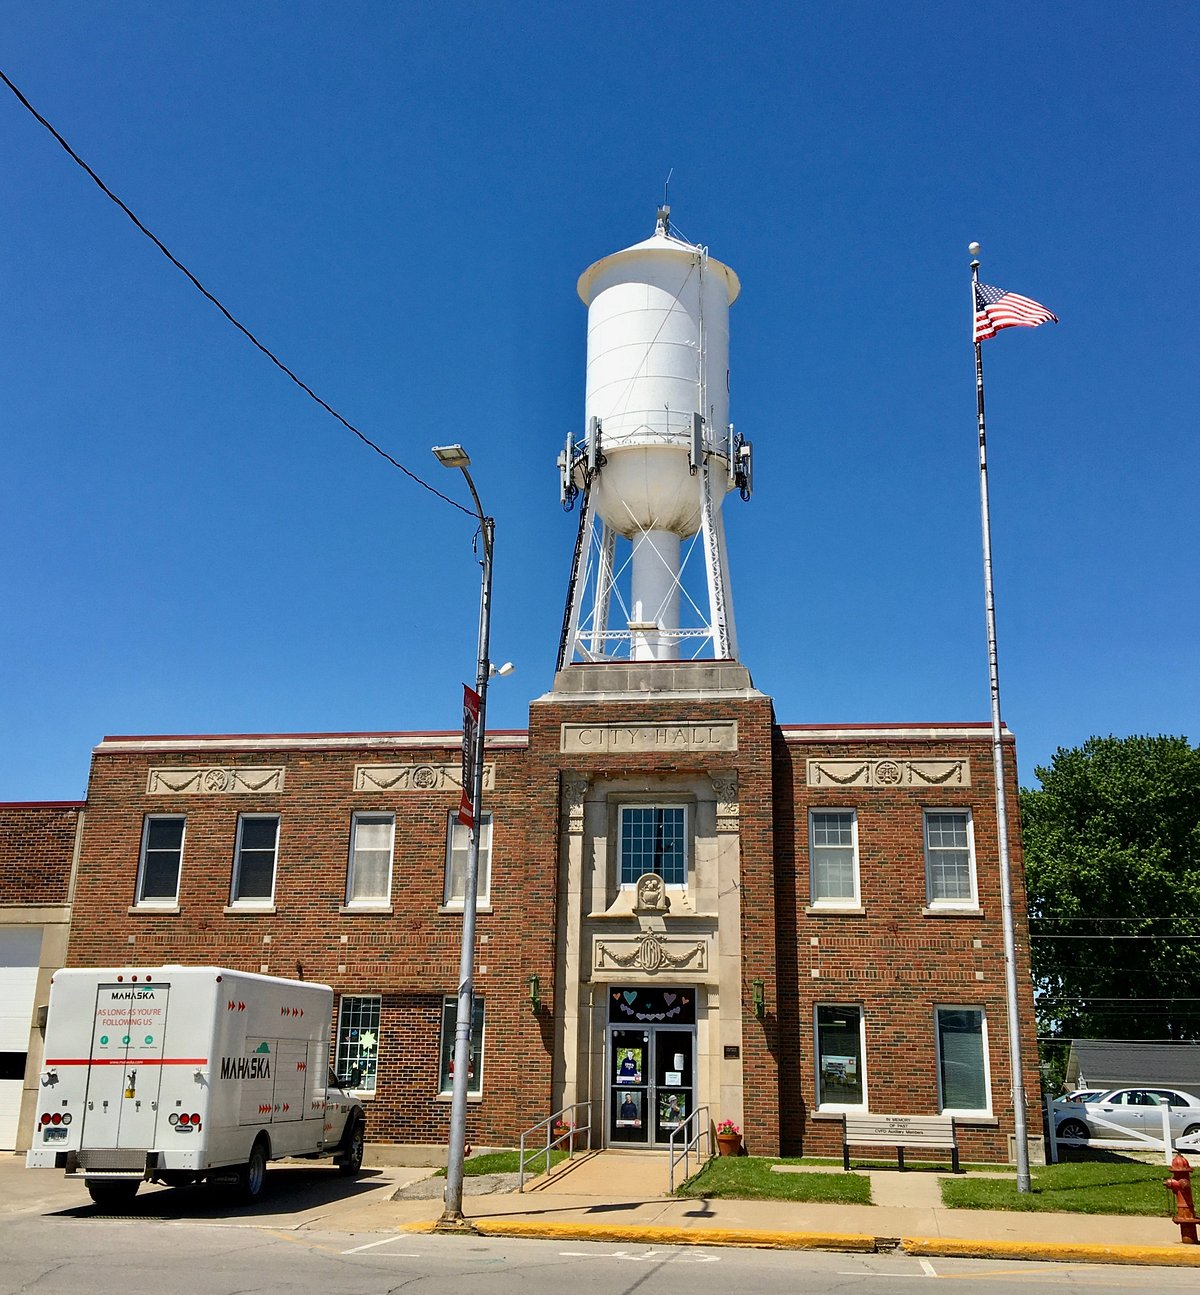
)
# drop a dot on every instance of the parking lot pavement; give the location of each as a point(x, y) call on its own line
point(299, 1194)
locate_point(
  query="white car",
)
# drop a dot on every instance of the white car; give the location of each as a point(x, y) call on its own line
point(1132, 1110)
point(1079, 1095)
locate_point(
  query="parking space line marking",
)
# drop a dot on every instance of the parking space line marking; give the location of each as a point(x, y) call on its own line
point(372, 1244)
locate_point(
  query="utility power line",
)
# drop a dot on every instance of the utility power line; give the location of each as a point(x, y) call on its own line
point(179, 265)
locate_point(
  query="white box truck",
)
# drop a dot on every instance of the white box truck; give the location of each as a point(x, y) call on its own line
point(174, 1074)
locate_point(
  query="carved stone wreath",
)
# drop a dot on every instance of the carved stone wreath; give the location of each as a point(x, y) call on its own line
point(651, 953)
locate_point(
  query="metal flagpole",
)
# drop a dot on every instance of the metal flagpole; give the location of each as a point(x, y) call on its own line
point(1006, 906)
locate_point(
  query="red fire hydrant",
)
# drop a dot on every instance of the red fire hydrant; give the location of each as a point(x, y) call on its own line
point(1180, 1183)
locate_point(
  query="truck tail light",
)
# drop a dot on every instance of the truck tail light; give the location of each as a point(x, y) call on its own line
point(45, 1118)
point(172, 1118)
point(185, 1119)
point(195, 1118)
point(66, 1119)
point(56, 1118)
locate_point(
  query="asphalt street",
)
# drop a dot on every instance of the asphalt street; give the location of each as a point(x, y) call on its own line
point(194, 1242)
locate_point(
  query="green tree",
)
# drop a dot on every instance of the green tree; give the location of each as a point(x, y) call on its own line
point(1112, 861)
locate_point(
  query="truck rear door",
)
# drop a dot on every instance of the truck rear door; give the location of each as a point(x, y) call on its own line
point(125, 1065)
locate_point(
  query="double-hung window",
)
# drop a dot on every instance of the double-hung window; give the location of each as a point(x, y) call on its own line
point(161, 859)
point(654, 839)
point(369, 877)
point(475, 1064)
point(357, 1059)
point(458, 839)
point(963, 1083)
point(949, 858)
point(833, 851)
point(254, 859)
point(841, 1056)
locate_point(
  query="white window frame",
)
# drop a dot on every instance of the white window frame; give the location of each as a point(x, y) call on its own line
point(987, 1060)
point(339, 1066)
point(483, 883)
point(159, 901)
point(445, 1078)
point(370, 816)
point(831, 901)
point(971, 904)
point(253, 901)
point(860, 1008)
point(687, 853)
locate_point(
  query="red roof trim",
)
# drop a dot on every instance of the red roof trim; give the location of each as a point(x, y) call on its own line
point(260, 737)
point(43, 804)
point(824, 728)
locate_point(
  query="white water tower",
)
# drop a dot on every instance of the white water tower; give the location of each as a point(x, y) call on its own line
point(657, 458)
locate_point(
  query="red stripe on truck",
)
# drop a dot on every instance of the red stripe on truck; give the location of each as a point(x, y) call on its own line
point(127, 1061)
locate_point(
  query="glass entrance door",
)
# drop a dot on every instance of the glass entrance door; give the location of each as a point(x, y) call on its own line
point(650, 1065)
point(673, 1085)
point(629, 1084)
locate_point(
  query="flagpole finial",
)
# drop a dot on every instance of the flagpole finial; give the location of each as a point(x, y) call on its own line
point(974, 250)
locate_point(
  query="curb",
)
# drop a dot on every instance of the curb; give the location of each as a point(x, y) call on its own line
point(750, 1238)
point(1177, 1256)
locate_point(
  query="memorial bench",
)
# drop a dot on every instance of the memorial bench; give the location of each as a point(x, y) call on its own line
point(924, 1132)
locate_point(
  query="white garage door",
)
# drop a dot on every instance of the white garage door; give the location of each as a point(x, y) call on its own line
point(19, 950)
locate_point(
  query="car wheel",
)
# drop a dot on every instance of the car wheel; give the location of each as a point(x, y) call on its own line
point(350, 1161)
point(252, 1176)
point(112, 1192)
point(1074, 1129)
point(1191, 1130)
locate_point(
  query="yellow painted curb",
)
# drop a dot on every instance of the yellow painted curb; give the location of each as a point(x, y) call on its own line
point(648, 1234)
point(1177, 1256)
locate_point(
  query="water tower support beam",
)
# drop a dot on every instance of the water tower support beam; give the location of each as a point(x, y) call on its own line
point(577, 584)
point(716, 564)
point(604, 588)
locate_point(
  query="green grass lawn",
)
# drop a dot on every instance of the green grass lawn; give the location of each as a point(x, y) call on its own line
point(1102, 1187)
point(506, 1162)
point(749, 1178)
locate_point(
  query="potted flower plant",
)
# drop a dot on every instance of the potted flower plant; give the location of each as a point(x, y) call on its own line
point(564, 1130)
point(729, 1138)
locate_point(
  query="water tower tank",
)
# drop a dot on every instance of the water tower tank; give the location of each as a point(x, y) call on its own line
point(657, 353)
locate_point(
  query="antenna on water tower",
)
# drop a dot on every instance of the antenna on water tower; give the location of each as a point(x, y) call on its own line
point(664, 212)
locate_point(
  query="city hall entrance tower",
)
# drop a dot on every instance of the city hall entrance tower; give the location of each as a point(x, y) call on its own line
point(661, 744)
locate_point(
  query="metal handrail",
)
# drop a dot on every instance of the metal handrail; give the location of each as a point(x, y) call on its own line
point(703, 1130)
point(574, 1131)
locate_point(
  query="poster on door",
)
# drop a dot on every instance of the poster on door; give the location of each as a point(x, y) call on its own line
point(629, 1065)
point(629, 1112)
point(671, 1112)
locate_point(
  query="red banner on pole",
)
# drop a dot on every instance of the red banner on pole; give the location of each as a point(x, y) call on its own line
point(466, 804)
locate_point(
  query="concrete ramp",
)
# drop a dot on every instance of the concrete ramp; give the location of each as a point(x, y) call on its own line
point(614, 1174)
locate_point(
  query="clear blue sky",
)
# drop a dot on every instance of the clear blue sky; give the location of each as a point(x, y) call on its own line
point(398, 199)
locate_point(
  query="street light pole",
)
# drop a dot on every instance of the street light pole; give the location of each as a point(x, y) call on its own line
point(452, 1219)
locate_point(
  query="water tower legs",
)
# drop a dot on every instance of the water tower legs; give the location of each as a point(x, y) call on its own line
point(654, 600)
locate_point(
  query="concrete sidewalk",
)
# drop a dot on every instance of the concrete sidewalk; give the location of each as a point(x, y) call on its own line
point(613, 1197)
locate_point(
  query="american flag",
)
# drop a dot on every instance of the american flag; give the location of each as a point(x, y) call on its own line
point(996, 309)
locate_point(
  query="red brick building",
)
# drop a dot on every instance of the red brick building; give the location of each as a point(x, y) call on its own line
point(827, 933)
point(683, 905)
